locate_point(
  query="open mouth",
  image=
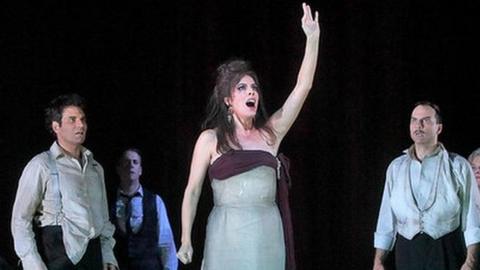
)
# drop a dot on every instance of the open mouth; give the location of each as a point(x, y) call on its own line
point(250, 103)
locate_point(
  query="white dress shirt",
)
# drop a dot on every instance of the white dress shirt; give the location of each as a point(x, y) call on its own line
point(83, 210)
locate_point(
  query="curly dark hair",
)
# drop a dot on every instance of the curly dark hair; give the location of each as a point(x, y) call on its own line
point(54, 110)
point(228, 75)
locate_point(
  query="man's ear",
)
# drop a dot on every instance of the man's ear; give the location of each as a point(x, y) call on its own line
point(439, 128)
point(55, 126)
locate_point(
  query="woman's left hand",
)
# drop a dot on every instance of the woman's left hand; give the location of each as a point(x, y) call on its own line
point(310, 26)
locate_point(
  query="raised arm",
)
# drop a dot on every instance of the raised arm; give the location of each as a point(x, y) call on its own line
point(282, 120)
point(202, 154)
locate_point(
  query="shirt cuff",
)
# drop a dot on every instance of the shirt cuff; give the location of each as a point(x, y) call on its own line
point(384, 242)
point(108, 257)
point(472, 236)
point(33, 261)
point(107, 252)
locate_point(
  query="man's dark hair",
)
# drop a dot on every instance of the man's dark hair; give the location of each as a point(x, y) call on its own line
point(434, 106)
point(132, 149)
point(54, 110)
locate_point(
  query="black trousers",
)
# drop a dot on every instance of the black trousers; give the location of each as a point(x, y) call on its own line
point(51, 248)
point(425, 253)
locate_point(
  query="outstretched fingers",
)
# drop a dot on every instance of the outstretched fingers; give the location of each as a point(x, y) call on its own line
point(307, 13)
point(309, 24)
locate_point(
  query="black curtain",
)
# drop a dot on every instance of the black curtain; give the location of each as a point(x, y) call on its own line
point(146, 70)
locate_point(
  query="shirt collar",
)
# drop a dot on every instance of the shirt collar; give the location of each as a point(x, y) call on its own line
point(411, 151)
point(57, 151)
point(139, 192)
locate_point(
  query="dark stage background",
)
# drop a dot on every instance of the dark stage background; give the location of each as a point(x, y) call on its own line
point(146, 70)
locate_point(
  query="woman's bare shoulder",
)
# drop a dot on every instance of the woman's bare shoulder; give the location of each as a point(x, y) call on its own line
point(208, 138)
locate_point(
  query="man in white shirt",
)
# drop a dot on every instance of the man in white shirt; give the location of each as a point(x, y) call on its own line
point(430, 206)
point(60, 214)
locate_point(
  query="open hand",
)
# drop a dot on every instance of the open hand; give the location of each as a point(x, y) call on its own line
point(310, 26)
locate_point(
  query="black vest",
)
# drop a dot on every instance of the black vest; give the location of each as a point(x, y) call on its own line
point(139, 250)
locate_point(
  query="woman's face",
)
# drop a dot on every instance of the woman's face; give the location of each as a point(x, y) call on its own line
point(244, 98)
point(476, 168)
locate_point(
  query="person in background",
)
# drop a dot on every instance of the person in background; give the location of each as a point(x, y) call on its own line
point(474, 159)
point(143, 233)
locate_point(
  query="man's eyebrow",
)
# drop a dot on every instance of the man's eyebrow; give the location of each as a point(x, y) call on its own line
point(413, 117)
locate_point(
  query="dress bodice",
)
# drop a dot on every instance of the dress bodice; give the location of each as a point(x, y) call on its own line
point(244, 177)
point(238, 161)
point(254, 187)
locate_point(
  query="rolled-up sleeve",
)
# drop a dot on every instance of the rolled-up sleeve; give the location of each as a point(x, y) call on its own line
point(166, 241)
point(385, 233)
point(471, 205)
point(106, 235)
point(107, 243)
point(28, 198)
